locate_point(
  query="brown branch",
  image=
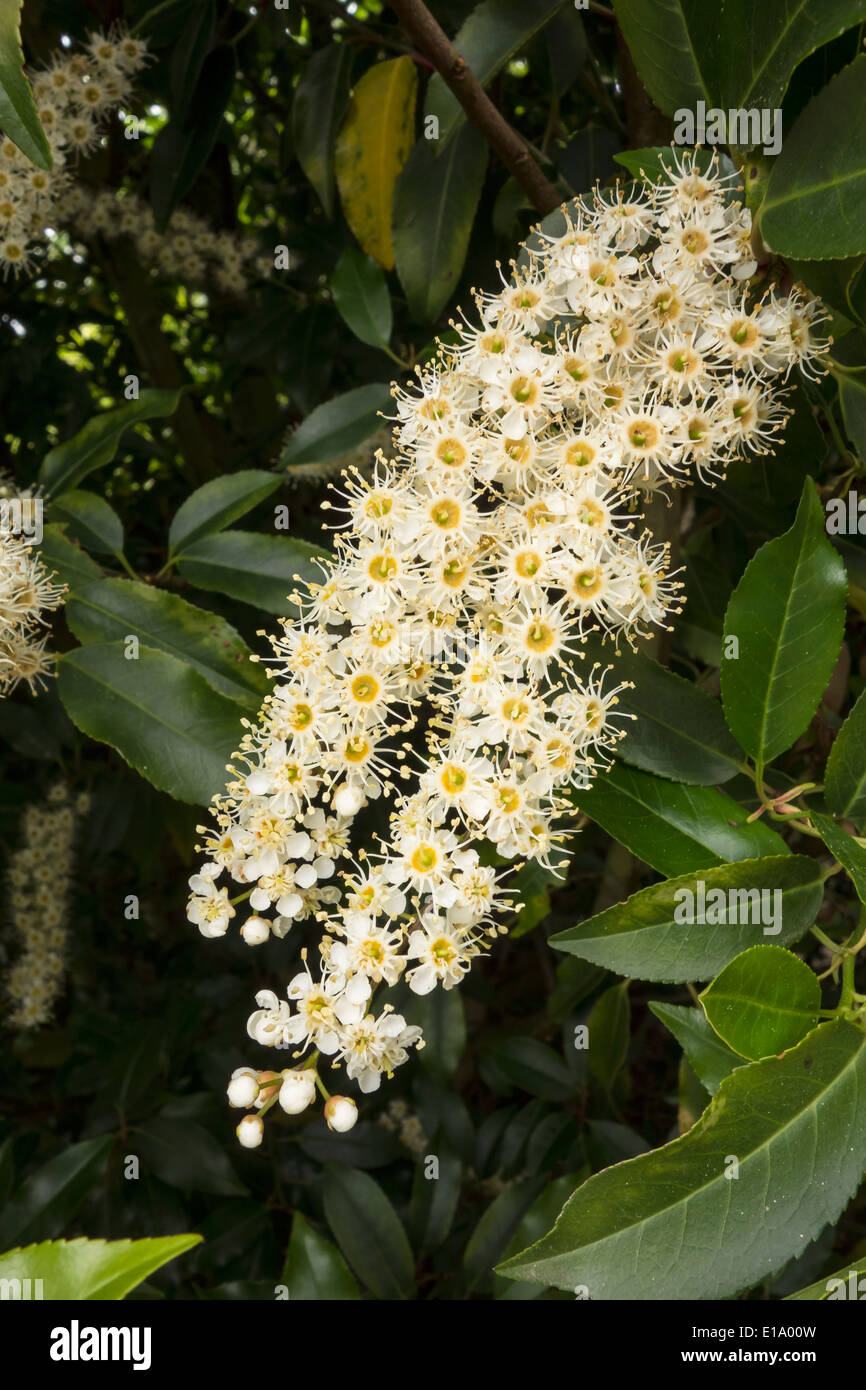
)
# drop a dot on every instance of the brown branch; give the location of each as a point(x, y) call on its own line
point(424, 32)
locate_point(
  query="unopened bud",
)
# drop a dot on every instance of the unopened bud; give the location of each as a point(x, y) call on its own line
point(297, 1091)
point(250, 1131)
point(348, 801)
point(255, 931)
point(341, 1112)
point(243, 1088)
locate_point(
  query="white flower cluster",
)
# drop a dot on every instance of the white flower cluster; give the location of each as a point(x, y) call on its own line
point(38, 885)
point(26, 594)
point(72, 95)
point(188, 250)
point(624, 352)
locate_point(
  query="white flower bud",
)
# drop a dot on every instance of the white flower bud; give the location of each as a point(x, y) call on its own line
point(243, 1088)
point(251, 1131)
point(297, 1091)
point(341, 1112)
point(255, 931)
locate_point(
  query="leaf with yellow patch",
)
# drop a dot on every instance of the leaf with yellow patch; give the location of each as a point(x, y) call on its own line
point(372, 147)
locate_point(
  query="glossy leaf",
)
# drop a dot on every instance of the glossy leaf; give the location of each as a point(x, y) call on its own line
point(369, 1233)
point(666, 53)
point(96, 443)
point(360, 293)
point(84, 1270)
point(61, 555)
point(48, 1199)
point(496, 1229)
point(662, 932)
point(493, 32)
point(441, 1015)
point(18, 116)
point(664, 1225)
point(160, 714)
point(435, 1195)
point(185, 1155)
point(90, 520)
point(337, 426)
point(544, 1210)
point(815, 205)
point(321, 97)
point(372, 147)
point(675, 828)
point(609, 1034)
point(845, 848)
point(534, 1067)
point(259, 570)
point(218, 503)
point(680, 731)
point(763, 1002)
point(845, 776)
point(435, 201)
point(114, 609)
point(314, 1269)
point(711, 1059)
point(787, 613)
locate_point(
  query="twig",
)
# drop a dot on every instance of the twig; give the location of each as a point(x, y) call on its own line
point(423, 31)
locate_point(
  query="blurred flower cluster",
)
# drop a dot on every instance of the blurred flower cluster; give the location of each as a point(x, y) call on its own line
point(627, 352)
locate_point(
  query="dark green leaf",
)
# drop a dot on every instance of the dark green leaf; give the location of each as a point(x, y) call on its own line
point(440, 1014)
point(90, 521)
point(667, 1225)
point(68, 561)
point(435, 201)
point(47, 1201)
point(369, 1233)
point(315, 1270)
point(18, 116)
point(320, 103)
point(711, 1059)
point(675, 828)
point(496, 1229)
point(360, 292)
point(845, 848)
point(189, 54)
point(183, 1154)
point(96, 443)
point(815, 205)
point(435, 1195)
point(845, 785)
point(609, 1034)
point(763, 1002)
point(337, 426)
point(259, 570)
point(666, 52)
point(117, 608)
point(543, 1212)
point(788, 614)
point(663, 932)
point(162, 716)
point(534, 1067)
point(218, 503)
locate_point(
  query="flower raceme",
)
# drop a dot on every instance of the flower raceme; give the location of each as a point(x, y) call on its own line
point(626, 352)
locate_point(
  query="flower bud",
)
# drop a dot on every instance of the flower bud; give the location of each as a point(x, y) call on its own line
point(255, 931)
point(250, 1131)
point(269, 1082)
point(243, 1088)
point(341, 1112)
point(297, 1091)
